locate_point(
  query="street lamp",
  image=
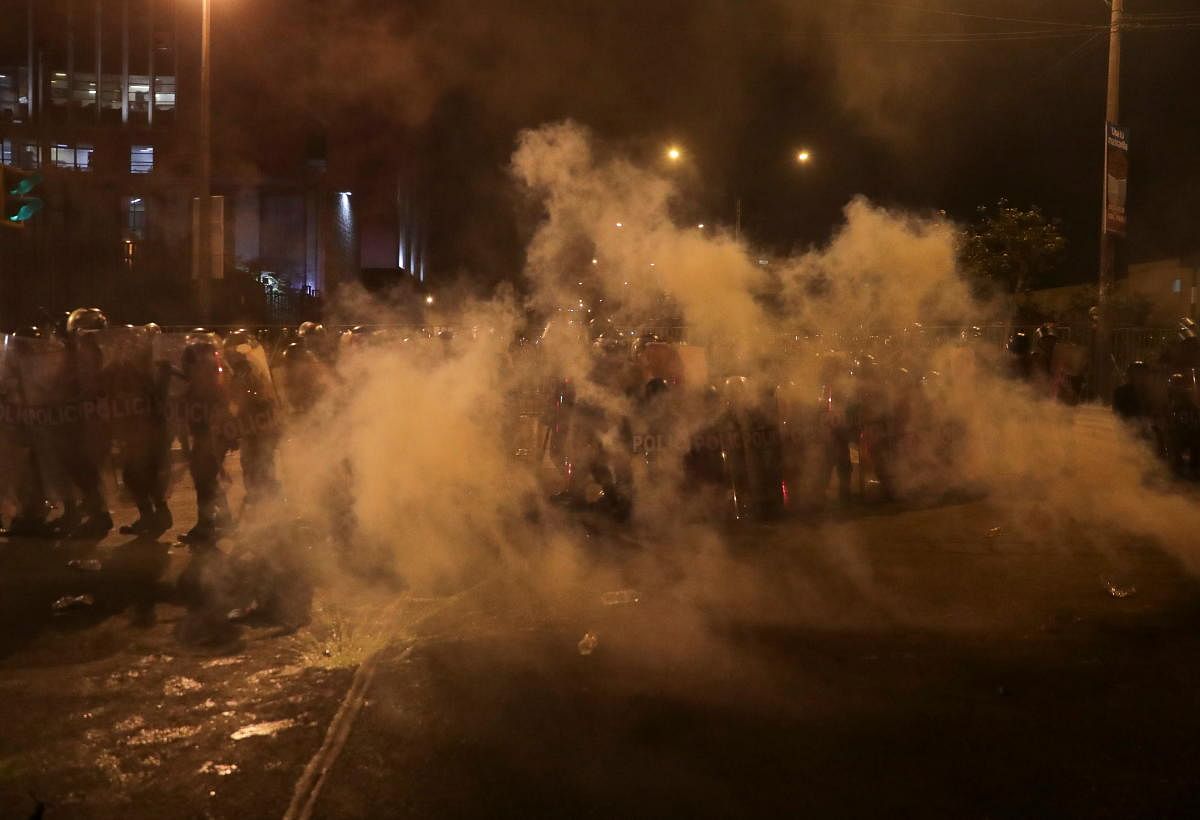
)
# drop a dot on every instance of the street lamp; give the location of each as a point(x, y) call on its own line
point(803, 156)
point(674, 153)
point(203, 215)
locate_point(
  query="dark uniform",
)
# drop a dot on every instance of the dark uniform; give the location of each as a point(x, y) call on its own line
point(206, 407)
point(256, 411)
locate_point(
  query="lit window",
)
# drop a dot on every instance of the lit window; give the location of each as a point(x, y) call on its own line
point(62, 155)
point(78, 157)
point(6, 152)
point(135, 219)
point(139, 93)
point(141, 159)
point(1177, 286)
point(164, 91)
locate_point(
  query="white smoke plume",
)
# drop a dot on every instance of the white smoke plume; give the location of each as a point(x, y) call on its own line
point(418, 457)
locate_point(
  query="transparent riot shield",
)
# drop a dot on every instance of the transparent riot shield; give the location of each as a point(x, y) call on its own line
point(127, 378)
point(255, 373)
point(47, 412)
point(11, 451)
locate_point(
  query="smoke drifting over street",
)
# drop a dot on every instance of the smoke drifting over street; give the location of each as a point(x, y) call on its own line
point(417, 460)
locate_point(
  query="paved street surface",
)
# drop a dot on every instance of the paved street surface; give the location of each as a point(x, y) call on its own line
point(946, 659)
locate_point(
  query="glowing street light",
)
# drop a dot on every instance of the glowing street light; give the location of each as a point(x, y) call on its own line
point(429, 300)
point(674, 153)
point(803, 156)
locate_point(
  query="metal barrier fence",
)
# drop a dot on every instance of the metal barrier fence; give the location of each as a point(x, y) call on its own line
point(1131, 344)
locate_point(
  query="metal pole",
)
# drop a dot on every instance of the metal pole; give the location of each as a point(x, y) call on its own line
point(204, 229)
point(1108, 247)
point(99, 65)
point(737, 220)
point(29, 78)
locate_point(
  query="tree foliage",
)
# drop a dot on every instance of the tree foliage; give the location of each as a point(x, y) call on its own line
point(1009, 249)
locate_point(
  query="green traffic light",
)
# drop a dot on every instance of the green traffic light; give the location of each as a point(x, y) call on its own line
point(29, 207)
point(26, 185)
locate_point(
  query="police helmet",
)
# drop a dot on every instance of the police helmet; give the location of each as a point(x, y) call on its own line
point(82, 320)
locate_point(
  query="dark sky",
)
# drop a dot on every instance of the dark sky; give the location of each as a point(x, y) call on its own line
point(921, 104)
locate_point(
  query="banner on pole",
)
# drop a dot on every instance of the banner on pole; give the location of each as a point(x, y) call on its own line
point(1116, 177)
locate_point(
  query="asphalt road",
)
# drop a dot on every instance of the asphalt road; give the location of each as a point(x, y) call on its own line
point(941, 660)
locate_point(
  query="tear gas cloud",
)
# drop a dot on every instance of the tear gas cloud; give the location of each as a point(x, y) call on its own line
point(412, 452)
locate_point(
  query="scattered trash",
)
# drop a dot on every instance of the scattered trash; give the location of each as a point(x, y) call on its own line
point(150, 660)
point(69, 602)
point(993, 532)
point(227, 661)
point(1120, 592)
point(219, 769)
point(149, 736)
point(263, 729)
point(174, 687)
point(620, 596)
point(131, 723)
point(85, 564)
point(588, 644)
point(241, 613)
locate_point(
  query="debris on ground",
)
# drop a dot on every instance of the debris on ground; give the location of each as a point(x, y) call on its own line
point(620, 596)
point(85, 564)
point(241, 613)
point(228, 660)
point(263, 729)
point(587, 644)
point(219, 769)
point(177, 686)
point(1120, 592)
point(147, 737)
point(993, 532)
point(131, 723)
point(69, 602)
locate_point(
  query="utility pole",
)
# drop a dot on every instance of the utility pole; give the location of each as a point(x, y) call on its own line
point(737, 220)
point(203, 204)
point(1108, 241)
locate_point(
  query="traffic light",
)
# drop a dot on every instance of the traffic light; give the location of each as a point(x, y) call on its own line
point(18, 186)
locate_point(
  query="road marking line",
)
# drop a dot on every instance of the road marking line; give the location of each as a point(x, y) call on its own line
point(308, 787)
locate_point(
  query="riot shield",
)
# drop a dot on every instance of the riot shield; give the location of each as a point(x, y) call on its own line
point(248, 359)
point(126, 347)
point(127, 378)
point(252, 388)
point(41, 378)
point(11, 451)
point(170, 386)
point(166, 354)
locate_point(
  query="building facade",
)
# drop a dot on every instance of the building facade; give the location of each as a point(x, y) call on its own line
point(101, 98)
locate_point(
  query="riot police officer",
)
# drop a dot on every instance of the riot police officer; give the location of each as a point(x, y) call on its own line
point(256, 411)
point(206, 407)
point(86, 437)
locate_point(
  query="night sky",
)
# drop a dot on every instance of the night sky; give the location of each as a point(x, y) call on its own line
point(918, 105)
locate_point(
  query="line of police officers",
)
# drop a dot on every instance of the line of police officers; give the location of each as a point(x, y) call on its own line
point(1160, 398)
point(79, 397)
